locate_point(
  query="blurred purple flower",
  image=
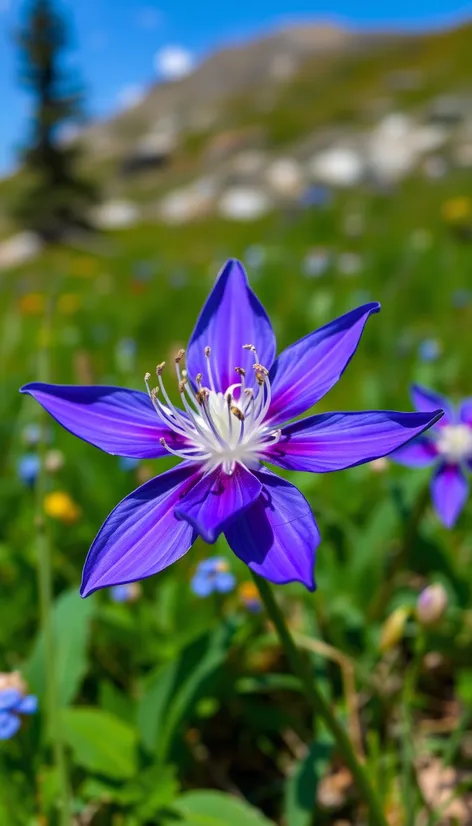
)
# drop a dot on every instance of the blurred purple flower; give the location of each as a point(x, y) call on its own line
point(236, 401)
point(212, 576)
point(431, 604)
point(12, 704)
point(447, 448)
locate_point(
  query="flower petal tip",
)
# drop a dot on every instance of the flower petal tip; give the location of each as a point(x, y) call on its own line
point(373, 307)
point(26, 389)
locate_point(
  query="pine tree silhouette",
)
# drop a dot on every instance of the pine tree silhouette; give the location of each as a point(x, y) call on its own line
point(56, 198)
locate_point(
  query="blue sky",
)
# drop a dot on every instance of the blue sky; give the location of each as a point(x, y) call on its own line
point(117, 40)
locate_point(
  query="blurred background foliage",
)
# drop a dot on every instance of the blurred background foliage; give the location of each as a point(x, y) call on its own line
point(338, 173)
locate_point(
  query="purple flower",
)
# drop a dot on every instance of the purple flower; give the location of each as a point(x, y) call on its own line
point(12, 704)
point(447, 448)
point(236, 401)
point(212, 576)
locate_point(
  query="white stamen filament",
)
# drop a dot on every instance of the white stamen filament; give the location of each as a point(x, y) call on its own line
point(219, 429)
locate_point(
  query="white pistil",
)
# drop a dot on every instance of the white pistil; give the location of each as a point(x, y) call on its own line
point(454, 442)
point(218, 429)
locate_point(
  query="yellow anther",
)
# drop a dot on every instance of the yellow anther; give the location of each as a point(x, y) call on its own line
point(238, 413)
point(261, 369)
point(160, 368)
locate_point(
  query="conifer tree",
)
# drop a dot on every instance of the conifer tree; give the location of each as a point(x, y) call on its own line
point(56, 199)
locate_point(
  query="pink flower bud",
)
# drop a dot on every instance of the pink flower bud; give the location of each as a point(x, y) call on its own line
point(431, 604)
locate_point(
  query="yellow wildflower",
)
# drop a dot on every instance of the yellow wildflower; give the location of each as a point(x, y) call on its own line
point(393, 628)
point(249, 596)
point(59, 505)
point(68, 303)
point(32, 304)
point(84, 267)
point(457, 210)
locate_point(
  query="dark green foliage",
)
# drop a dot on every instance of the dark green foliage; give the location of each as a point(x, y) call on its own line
point(56, 199)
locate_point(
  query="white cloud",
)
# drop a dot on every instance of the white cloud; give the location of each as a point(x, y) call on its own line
point(149, 18)
point(130, 95)
point(173, 62)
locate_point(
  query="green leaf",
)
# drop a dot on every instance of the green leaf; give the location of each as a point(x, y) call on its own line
point(154, 703)
point(300, 788)
point(464, 687)
point(207, 808)
point(266, 683)
point(71, 623)
point(147, 794)
point(176, 687)
point(116, 702)
point(101, 742)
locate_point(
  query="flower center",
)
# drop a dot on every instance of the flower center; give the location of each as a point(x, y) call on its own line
point(454, 442)
point(219, 428)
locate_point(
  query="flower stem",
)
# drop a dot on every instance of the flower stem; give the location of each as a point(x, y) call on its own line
point(45, 607)
point(319, 704)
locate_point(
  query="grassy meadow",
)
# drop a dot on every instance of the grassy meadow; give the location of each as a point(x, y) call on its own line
point(175, 709)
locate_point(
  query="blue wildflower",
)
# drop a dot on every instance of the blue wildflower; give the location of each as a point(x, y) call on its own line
point(28, 467)
point(31, 434)
point(316, 195)
point(249, 596)
point(178, 279)
point(430, 349)
point(212, 576)
point(14, 703)
point(447, 448)
point(255, 256)
point(461, 298)
point(128, 463)
point(239, 404)
point(125, 354)
point(316, 262)
point(143, 270)
point(128, 592)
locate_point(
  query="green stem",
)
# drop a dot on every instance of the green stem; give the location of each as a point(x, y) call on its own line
point(409, 695)
point(45, 608)
point(319, 704)
point(400, 562)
